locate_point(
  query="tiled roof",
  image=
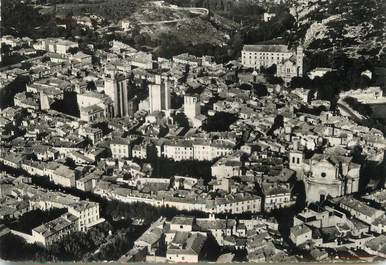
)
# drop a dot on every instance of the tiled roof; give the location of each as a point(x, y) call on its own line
point(265, 48)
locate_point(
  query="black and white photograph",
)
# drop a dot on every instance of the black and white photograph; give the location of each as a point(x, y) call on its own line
point(193, 131)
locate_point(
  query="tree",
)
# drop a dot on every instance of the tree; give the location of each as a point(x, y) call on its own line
point(273, 80)
point(181, 183)
point(26, 65)
point(176, 101)
point(91, 86)
point(219, 122)
point(45, 59)
point(236, 45)
point(181, 120)
point(278, 123)
point(5, 49)
point(172, 182)
point(72, 247)
point(14, 248)
point(270, 70)
point(70, 162)
point(301, 82)
point(260, 90)
point(73, 50)
point(211, 248)
point(12, 11)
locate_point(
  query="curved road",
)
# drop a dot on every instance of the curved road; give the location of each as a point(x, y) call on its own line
point(193, 10)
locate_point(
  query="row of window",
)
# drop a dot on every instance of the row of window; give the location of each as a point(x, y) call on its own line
point(183, 148)
point(60, 234)
point(266, 53)
point(262, 58)
point(274, 200)
point(297, 159)
point(251, 203)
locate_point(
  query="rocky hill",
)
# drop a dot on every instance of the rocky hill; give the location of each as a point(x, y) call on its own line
point(355, 26)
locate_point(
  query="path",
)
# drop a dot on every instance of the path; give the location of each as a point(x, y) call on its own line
point(193, 10)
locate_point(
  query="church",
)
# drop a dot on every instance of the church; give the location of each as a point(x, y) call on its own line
point(326, 175)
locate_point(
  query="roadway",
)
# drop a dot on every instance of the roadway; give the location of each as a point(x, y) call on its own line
point(203, 12)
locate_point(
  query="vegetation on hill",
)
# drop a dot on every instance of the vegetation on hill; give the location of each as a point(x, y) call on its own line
point(238, 10)
point(32, 23)
point(278, 27)
point(112, 10)
point(196, 36)
point(355, 26)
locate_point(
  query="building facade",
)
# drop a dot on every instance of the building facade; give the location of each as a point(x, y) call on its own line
point(51, 232)
point(331, 176)
point(192, 106)
point(116, 88)
point(289, 63)
point(87, 213)
point(159, 94)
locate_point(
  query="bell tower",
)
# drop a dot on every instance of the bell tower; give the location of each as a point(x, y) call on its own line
point(296, 160)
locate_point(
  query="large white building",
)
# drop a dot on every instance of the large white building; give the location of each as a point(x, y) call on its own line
point(54, 45)
point(159, 94)
point(289, 63)
point(179, 150)
point(63, 46)
point(237, 203)
point(87, 213)
point(81, 216)
point(63, 176)
point(198, 149)
point(116, 89)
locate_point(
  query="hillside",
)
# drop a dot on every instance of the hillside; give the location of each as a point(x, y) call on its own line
point(355, 26)
point(113, 10)
point(194, 35)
